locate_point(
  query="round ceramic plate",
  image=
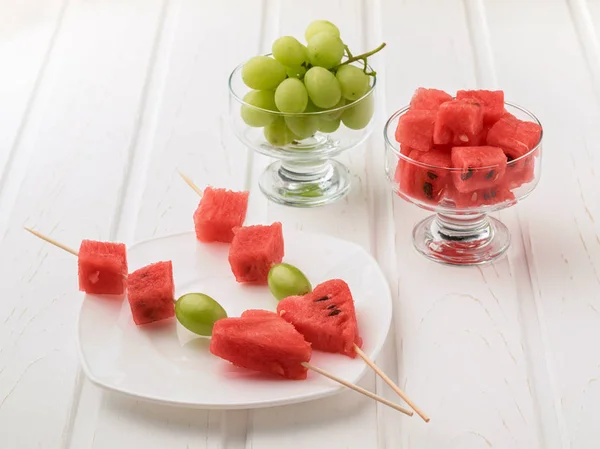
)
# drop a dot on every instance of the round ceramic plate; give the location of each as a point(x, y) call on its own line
point(164, 362)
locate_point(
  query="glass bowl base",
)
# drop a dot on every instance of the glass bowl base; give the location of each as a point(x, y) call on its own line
point(305, 184)
point(461, 240)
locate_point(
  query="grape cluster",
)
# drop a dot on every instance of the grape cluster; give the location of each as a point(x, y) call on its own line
point(308, 78)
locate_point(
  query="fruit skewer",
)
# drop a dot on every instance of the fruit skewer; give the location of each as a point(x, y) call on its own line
point(306, 365)
point(360, 353)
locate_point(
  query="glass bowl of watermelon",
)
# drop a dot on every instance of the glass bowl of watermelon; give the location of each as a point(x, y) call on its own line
point(462, 157)
point(303, 142)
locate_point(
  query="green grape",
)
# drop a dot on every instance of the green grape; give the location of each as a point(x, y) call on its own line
point(319, 26)
point(263, 73)
point(359, 115)
point(278, 134)
point(264, 99)
point(337, 114)
point(289, 51)
point(353, 81)
point(325, 50)
point(291, 96)
point(295, 72)
point(198, 313)
point(302, 126)
point(329, 126)
point(310, 107)
point(323, 87)
point(287, 280)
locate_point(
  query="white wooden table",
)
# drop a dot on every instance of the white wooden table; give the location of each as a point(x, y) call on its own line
point(101, 101)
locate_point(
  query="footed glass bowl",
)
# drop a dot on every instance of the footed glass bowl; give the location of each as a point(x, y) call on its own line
point(461, 232)
point(304, 175)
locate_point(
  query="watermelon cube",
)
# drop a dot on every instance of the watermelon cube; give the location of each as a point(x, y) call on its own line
point(485, 197)
point(491, 101)
point(458, 122)
point(151, 293)
point(427, 182)
point(415, 129)
point(520, 172)
point(262, 342)
point(429, 99)
point(219, 211)
point(326, 317)
point(254, 250)
point(102, 267)
point(516, 137)
point(481, 167)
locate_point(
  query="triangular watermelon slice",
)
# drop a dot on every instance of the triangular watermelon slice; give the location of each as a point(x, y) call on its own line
point(261, 341)
point(325, 317)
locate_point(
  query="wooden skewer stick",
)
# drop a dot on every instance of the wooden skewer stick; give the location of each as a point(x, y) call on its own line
point(52, 241)
point(389, 381)
point(190, 183)
point(357, 389)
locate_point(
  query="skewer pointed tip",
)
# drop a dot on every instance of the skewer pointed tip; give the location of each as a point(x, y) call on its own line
point(51, 241)
point(190, 183)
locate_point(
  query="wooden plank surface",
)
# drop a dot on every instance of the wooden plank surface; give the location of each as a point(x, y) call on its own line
point(101, 102)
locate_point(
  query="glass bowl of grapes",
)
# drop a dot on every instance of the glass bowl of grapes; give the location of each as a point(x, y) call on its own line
point(462, 157)
point(303, 105)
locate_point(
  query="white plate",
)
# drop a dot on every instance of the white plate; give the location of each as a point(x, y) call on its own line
point(164, 362)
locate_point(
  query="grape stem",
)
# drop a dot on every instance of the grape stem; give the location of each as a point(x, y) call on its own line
point(362, 57)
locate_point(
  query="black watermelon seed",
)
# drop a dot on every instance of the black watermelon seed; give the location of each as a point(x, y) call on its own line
point(332, 306)
point(467, 175)
point(493, 193)
point(431, 175)
point(490, 175)
point(323, 298)
point(335, 312)
point(486, 196)
point(509, 158)
point(428, 190)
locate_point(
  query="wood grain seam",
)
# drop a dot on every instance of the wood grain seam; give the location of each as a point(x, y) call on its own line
point(12, 154)
point(136, 151)
point(588, 40)
point(486, 75)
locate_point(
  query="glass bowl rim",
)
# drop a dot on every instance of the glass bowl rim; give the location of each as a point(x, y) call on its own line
point(297, 114)
point(395, 146)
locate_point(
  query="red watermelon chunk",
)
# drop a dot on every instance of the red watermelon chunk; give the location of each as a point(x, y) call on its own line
point(472, 161)
point(219, 211)
point(267, 344)
point(151, 293)
point(491, 101)
point(429, 99)
point(415, 129)
point(521, 172)
point(516, 137)
point(325, 317)
point(426, 184)
point(458, 122)
point(102, 267)
point(254, 250)
point(485, 197)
